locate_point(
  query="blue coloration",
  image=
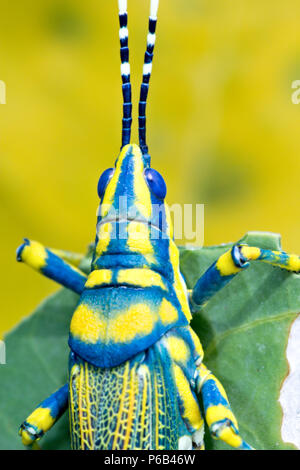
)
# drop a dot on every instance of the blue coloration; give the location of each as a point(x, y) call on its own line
point(134, 378)
point(211, 395)
point(156, 183)
point(57, 269)
point(118, 254)
point(239, 260)
point(274, 258)
point(57, 402)
point(104, 180)
point(154, 422)
point(21, 248)
point(126, 85)
point(60, 271)
point(208, 285)
point(107, 302)
point(145, 87)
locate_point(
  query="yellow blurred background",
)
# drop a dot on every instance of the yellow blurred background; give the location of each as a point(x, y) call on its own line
point(222, 128)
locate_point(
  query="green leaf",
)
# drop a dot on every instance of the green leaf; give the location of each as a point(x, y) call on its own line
point(244, 331)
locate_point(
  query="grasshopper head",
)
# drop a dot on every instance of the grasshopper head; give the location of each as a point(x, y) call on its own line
point(132, 191)
point(132, 210)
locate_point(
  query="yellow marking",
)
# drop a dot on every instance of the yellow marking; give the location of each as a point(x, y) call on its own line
point(71, 382)
point(109, 194)
point(139, 240)
point(140, 277)
point(88, 404)
point(26, 439)
point(132, 403)
point(294, 263)
point(92, 327)
point(178, 349)
point(34, 255)
point(167, 312)
point(228, 435)
point(197, 344)
point(219, 412)
point(251, 252)
point(191, 408)
point(104, 238)
point(121, 407)
point(98, 277)
point(141, 190)
point(139, 319)
point(81, 389)
point(179, 286)
point(87, 325)
point(226, 266)
point(42, 419)
point(203, 373)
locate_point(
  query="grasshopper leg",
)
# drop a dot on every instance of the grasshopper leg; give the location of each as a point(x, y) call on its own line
point(180, 346)
point(190, 412)
point(51, 265)
point(218, 414)
point(232, 262)
point(44, 416)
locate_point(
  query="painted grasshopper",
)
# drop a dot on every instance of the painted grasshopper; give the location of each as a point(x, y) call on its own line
point(136, 366)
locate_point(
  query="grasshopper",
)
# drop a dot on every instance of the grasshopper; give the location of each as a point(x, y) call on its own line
point(136, 368)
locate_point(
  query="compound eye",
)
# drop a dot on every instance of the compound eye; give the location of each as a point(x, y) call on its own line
point(156, 183)
point(104, 180)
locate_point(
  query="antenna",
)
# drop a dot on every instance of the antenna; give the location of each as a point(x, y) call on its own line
point(147, 68)
point(125, 73)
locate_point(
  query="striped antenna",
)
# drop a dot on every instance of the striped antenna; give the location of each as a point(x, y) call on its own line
point(125, 73)
point(146, 75)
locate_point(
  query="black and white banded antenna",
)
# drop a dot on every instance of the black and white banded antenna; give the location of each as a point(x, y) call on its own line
point(147, 68)
point(125, 73)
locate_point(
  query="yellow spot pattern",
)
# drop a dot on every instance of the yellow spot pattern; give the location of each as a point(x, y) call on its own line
point(167, 312)
point(226, 266)
point(108, 198)
point(197, 345)
point(104, 236)
point(99, 277)
point(34, 255)
point(250, 252)
point(92, 327)
point(191, 412)
point(41, 419)
point(140, 277)
point(177, 348)
point(139, 240)
point(86, 325)
point(139, 319)
point(179, 286)
point(218, 413)
point(294, 263)
point(141, 190)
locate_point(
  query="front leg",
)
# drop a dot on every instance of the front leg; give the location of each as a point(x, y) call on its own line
point(51, 265)
point(44, 416)
point(233, 262)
